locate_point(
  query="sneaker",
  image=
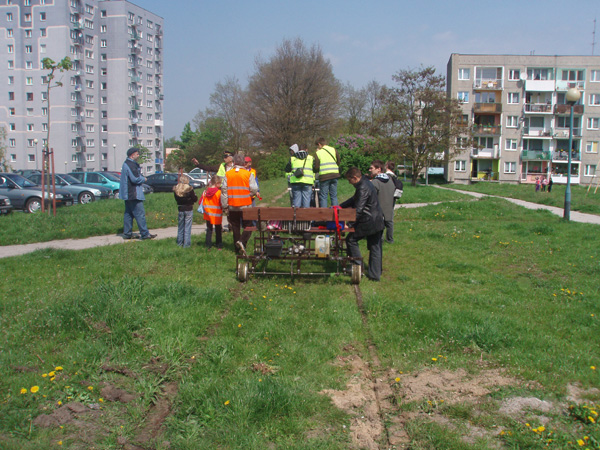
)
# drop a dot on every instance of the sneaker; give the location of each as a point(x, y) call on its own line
point(131, 236)
point(241, 248)
point(148, 236)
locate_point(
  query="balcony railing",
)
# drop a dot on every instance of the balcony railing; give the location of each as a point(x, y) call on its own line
point(493, 108)
point(562, 85)
point(538, 108)
point(485, 153)
point(563, 155)
point(565, 133)
point(566, 109)
point(488, 84)
point(536, 132)
point(487, 130)
point(536, 155)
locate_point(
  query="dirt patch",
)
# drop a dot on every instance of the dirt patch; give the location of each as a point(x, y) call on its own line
point(156, 366)
point(157, 415)
point(576, 394)
point(68, 413)
point(517, 405)
point(120, 370)
point(263, 368)
point(113, 394)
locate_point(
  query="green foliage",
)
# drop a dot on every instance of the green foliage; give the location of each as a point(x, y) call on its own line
point(358, 151)
point(271, 165)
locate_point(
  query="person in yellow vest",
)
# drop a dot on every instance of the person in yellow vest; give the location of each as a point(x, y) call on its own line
point(329, 172)
point(237, 190)
point(213, 212)
point(303, 167)
point(226, 165)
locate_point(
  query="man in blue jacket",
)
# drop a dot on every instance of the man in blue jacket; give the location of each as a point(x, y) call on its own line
point(131, 191)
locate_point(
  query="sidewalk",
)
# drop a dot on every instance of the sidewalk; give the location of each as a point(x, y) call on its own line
point(164, 233)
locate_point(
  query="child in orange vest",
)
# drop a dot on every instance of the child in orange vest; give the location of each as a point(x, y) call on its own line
point(213, 213)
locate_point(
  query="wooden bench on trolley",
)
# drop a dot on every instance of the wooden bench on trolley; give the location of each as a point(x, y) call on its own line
point(290, 234)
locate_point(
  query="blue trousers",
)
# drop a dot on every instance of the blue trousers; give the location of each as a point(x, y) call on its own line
point(328, 188)
point(134, 209)
point(184, 228)
point(301, 195)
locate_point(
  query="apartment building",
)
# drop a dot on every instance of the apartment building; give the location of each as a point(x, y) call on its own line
point(516, 109)
point(111, 100)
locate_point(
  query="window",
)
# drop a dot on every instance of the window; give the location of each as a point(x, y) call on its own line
point(103, 71)
point(103, 57)
point(595, 76)
point(460, 166)
point(514, 74)
point(104, 114)
point(149, 103)
point(513, 97)
point(104, 156)
point(89, 69)
point(44, 111)
point(42, 16)
point(512, 121)
point(13, 157)
point(11, 96)
point(29, 81)
point(27, 17)
point(28, 65)
point(29, 96)
point(89, 113)
point(11, 80)
point(464, 73)
point(45, 126)
point(484, 142)
point(31, 157)
point(594, 99)
point(44, 96)
point(104, 128)
point(540, 74)
point(11, 64)
point(30, 143)
point(149, 142)
point(103, 13)
point(149, 130)
point(43, 32)
point(89, 39)
point(29, 127)
point(9, 32)
point(510, 167)
point(89, 54)
point(104, 143)
point(511, 144)
point(89, 128)
point(103, 85)
point(590, 170)
point(73, 142)
point(89, 99)
point(28, 33)
point(12, 127)
point(89, 84)
point(89, 157)
point(572, 75)
point(463, 97)
point(591, 147)
point(74, 158)
point(103, 43)
point(10, 48)
point(11, 111)
point(30, 111)
point(12, 142)
point(89, 142)
point(103, 100)
point(42, 48)
point(9, 17)
point(102, 28)
point(28, 49)
point(593, 123)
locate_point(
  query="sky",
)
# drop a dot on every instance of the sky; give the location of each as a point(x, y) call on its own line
point(207, 41)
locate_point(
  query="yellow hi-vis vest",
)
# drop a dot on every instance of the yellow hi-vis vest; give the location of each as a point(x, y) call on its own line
point(327, 161)
point(307, 166)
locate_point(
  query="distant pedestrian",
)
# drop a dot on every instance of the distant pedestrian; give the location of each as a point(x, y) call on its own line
point(384, 185)
point(185, 198)
point(538, 184)
point(131, 191)
point(544, 184)
point(213, 212)
point(550, 183)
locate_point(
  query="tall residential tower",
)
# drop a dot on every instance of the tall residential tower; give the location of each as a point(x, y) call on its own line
point(111, 100)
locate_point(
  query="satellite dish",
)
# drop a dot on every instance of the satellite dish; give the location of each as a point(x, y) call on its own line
point(523, 76)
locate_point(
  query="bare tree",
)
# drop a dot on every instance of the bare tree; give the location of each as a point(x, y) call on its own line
point(422, 123)
point(293, 97)
point(228, 102)
point(4, 166)
point(354, 108)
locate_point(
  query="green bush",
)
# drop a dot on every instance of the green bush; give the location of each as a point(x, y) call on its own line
point(359, 151)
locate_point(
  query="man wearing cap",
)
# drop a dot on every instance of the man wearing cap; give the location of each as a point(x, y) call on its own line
point(225, 166)
point(131, 191)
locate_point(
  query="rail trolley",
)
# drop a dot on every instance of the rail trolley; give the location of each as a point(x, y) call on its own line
point(293, 235)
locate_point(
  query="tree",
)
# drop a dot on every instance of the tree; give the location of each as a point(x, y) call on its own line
point(49, 64)
point(228, 102)
point(421, 123)
point(354, 108)
point(293, 97)
point(4, 166)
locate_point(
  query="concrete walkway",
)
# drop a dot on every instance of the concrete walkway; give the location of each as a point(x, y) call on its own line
point(164, 233)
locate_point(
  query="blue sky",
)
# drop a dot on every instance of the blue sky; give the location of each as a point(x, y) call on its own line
point(207, 41)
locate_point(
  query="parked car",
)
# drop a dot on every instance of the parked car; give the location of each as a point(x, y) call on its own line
point(104, 179)
point(5, 205)
point(26, 172)
point(26, 195)
point(164, 182)
point(199, 175)
point(147, 189)
point(82, 193)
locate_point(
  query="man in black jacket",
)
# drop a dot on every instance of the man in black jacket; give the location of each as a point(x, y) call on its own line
point(369, 222)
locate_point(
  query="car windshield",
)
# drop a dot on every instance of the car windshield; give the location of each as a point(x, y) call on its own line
point(69, 178)
point(111, 176)
point(23, 182)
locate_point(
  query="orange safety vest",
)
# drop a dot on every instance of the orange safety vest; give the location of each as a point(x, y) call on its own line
point(213, 212)
point(238, 188)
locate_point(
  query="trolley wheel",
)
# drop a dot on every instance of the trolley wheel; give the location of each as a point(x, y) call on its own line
point(242, 271)
point(356, 273)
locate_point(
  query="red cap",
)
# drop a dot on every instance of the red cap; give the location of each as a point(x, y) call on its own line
point(248, 159)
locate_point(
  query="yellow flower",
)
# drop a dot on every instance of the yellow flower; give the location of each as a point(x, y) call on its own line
point(59, 442)
point(34, 389)
point(58, 368)
point(593, 367)
point(23, 391)
point(90, 388)
point(397, 379)
point(226, 403)
point(101, 400)
point(59, 403)
point(580, 442)
point(541, 428)
point(51, 374)
point(239, 325)
point(591, 419)
point(434, 359)
point(44, 375)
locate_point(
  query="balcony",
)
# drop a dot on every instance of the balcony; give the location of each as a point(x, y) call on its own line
point(565, 133)
point(487, 130)
point(482, 108)
point(563, 155)
point(135, 36)
point(538, 108)
point(566, 109)
point(80, 148)
point(539, 85)
point(135, 134)
point(159, 123)
point(79, 118)
point(492, 85)
point(485, 153)
point(562, 85)
point(536, 132)
point(536, 155)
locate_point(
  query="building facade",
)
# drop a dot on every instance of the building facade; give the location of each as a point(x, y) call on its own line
point(516, 109)
point(111, 99)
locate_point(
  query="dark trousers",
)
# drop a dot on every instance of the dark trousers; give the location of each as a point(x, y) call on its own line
point(389, 231)
point(375, 252)
point(218, 235)
point(237, 224)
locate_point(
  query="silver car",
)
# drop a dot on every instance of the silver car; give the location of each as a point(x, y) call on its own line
point(82, 193)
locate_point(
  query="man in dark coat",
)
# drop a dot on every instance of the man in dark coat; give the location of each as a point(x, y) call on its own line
point(369, 222)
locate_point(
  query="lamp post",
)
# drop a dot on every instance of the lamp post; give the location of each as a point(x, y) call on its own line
point(35, 141)
point(115, 156)
point(573, 96)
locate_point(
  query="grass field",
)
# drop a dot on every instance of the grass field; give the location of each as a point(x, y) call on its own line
point(482, 334)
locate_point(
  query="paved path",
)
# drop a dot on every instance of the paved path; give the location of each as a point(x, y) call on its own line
point(164, 233)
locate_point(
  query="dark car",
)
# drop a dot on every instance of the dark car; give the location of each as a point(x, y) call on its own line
point(164, 182)
point(82, 193)
point(5, 205)
point(26, 195)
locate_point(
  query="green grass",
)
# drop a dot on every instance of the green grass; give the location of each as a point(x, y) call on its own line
point(581, 200)
point(478, 285)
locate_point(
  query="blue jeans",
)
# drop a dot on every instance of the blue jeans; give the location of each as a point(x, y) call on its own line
point(328, 189)
point(184, 228)
point(135, 209)
point(301, 195)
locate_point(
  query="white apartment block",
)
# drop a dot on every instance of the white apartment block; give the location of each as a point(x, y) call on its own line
point(516, 108)
point(111, 100)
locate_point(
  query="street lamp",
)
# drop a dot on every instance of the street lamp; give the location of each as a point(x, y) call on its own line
point(573, 96)
point(35, 141)
point(115, 156)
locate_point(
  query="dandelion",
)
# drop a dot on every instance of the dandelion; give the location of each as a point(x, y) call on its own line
point(593, 367)
point(51, 374)
point(226, 403)
point(90, 388)
point(59, 403)
point(23, 391)
point(434, 359)
point(34, 389)
point(580, 442)
point(397, 379)
point(101, 400)
point(239, 325)
point(59, 442)
point(44, 375)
